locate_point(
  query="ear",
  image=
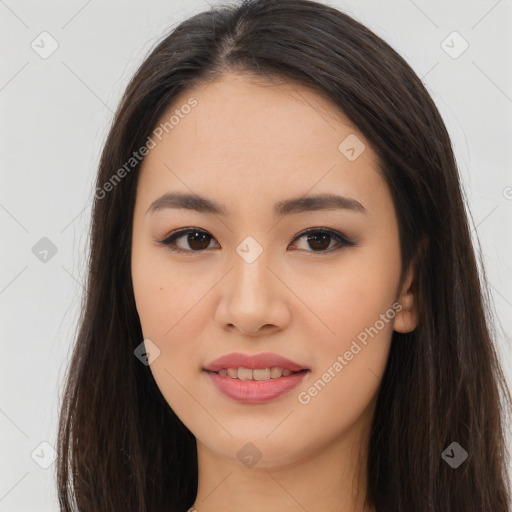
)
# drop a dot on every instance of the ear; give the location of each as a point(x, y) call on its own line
point(406, 319)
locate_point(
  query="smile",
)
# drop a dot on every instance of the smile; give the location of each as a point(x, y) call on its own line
point(250, 389)
point(255, 374)
point(255, 378)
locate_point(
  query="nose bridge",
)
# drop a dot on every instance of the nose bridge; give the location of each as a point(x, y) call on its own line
point(251, 296)
point(251, 275)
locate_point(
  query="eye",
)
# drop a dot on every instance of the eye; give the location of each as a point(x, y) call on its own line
point(319, 239)
point(198, 240)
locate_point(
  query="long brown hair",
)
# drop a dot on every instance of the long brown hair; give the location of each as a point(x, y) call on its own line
point(120, 445)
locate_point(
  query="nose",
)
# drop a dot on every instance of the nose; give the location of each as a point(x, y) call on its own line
point(254, 300)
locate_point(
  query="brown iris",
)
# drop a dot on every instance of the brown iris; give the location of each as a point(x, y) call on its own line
point(199, 238)
point(320, 238)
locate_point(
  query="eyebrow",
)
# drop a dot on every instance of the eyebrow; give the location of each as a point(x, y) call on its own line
point(201, 204)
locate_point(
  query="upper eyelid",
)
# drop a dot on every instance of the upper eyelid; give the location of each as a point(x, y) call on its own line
point(184, 231)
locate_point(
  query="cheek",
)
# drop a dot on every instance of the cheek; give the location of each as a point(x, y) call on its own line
point(166, 296)
point(168, 304)
point(174, 311)
point(356, 293)
point(358, 305)
point(359, 300)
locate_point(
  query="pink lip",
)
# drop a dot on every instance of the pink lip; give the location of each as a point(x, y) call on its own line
point(265, 360)
point(255, 391)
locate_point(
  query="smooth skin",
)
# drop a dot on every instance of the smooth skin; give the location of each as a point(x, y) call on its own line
point(248, 144)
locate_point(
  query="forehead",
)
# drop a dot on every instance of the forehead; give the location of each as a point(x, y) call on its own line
point(248, 139)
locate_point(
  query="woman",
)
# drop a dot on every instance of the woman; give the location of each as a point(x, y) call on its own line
point(283, 310)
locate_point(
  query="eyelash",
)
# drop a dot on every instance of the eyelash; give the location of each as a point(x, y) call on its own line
point(170, 240)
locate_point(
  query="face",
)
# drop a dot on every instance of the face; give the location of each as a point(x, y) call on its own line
point(250, 279)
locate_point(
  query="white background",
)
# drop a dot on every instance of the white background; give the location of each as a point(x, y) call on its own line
point(55, 114)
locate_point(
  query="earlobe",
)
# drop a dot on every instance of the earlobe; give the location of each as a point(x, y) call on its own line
point(406, 320)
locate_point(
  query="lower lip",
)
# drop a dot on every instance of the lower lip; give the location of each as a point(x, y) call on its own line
point(256, 391)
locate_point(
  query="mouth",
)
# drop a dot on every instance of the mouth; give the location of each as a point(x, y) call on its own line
point(260, 374)
point(259, 364)
point(255, 378)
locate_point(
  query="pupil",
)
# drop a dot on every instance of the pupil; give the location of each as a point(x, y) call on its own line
point(321, 238)
point(196, 238)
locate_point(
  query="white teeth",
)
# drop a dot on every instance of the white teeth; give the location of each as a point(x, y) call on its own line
point(244, 373)
point(260, 374)
point(257, 374)
point(276, 372)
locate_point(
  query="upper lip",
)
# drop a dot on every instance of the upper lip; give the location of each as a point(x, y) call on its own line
point(264, 360)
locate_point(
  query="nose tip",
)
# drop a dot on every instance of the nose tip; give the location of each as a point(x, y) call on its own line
point(251, 302)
